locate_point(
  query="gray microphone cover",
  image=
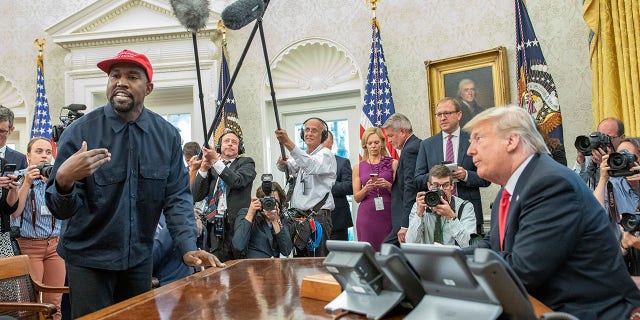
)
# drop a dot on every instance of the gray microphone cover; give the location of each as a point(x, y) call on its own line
point(241, 13)
point(192, 14)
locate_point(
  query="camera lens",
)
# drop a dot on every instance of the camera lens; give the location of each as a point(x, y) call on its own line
point(629, 222)
point(432, 198)
point(583, 144)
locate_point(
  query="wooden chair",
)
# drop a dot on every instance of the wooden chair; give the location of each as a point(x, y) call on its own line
point(20, 295)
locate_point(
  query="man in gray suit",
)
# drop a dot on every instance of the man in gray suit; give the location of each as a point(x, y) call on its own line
point(451, 144)
point(403, 190)
point(6, 128)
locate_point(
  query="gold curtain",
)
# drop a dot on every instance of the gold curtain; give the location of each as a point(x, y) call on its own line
point(615, 60)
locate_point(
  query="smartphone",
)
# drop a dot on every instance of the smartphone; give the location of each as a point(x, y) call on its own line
point(9, 168)
point(373, 176)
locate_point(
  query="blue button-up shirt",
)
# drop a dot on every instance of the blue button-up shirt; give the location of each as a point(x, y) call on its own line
point(112, 214)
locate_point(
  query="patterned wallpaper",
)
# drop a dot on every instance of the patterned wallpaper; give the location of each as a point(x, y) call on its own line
point(412, 31)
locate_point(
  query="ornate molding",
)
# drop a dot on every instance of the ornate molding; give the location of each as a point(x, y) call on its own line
point(109, 16)
point(314, 65)
point(9, 95)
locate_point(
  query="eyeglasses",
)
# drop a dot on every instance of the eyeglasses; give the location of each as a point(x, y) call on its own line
point(443, 186)
point(445, 114)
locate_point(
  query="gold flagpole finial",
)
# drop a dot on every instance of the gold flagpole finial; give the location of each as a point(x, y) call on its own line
point(373, 4)
point(223, 29)
point(40, 43)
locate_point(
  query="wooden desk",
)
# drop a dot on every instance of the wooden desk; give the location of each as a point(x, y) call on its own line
point(246, 289)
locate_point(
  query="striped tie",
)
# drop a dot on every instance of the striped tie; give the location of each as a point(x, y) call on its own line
point(213, 202)
point(449, 157)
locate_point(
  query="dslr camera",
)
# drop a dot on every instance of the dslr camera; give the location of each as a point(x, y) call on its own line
point(44, 168)
point(630, 222)
point(268, 202)
point(432, 197)
point(620, 164)
point(596, 140)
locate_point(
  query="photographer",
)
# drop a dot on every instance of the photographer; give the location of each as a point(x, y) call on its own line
point(625, 191)
point(452, 221)
point(587, 165)
point(260, 233)
point(39, 230)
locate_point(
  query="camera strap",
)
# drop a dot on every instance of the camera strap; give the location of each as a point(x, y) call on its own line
point(319, 205)
point(611, 201)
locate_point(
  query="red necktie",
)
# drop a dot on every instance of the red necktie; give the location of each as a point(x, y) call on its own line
point(449, 157)
point(502, 214)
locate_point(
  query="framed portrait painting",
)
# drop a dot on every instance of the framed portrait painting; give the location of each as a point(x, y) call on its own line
point(477, 80)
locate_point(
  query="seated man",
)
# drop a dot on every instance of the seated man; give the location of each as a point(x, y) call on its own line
point(259, 233)
point(441, 223)
point(167, 260)
point(546, 223)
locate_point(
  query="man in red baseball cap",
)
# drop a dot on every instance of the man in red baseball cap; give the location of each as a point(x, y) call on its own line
point(118, 168)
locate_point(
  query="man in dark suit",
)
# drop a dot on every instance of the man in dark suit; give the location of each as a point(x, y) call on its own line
point(403, 190)
point(546, 223)
point(226, 180)
point(6, 128)
point(341, 214)
point(434, 149)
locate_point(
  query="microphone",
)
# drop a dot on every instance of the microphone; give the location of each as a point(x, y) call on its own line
point(241, 13)
point(75, 107)
point(192, 14)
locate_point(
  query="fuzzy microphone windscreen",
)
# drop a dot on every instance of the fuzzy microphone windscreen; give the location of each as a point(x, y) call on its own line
point(192, 14)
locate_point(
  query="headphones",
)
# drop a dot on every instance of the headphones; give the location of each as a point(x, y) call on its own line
point(325, 129)
point(240, 143)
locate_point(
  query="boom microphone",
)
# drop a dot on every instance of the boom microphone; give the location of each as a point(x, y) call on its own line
point(241, 13)
point(192, 14)
point(75, 107)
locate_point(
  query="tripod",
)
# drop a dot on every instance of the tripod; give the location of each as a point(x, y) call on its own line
point(220, 104)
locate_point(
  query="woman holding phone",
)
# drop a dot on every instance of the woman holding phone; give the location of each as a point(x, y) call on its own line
point(371, 180)
point(39, 230)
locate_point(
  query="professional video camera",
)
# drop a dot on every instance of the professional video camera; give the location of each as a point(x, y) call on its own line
point(620, 164)
point(268, 202)
point(630, 222)
point(432, 197)
point(73, 113)
point(596, 140)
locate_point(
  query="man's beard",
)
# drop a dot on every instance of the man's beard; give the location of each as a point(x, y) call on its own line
point(122, 107)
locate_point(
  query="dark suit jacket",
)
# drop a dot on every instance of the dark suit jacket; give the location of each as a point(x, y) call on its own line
point(13, 156)
point(467, 113)
point(341, 216)
point(559, 242)
point(238, 179)
point(404, 188)
point(431, 154)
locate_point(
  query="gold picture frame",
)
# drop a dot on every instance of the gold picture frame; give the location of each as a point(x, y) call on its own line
point(487, 69)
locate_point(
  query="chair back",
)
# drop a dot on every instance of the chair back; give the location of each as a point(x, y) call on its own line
point(16, 285)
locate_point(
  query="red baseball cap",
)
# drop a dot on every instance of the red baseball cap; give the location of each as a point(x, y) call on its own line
point(128, 56)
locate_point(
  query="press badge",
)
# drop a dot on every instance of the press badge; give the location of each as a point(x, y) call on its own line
point(379, 204)
point(44, 211)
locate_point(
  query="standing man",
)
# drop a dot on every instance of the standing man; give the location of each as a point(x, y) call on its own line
point(341, 219)
point(118, 168)
point(6, 129)
point(315, 172)
point(403, 190)
point(451, 144)
point(588, 167)
point(546, 223)
point(467, 100)
point(227, 180)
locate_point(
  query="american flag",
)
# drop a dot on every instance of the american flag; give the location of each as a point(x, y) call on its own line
point(536, 89)
point(229, 119)
point(378, 103)
point(41, 126)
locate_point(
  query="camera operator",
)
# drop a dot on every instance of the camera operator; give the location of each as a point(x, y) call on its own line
point(624, 186)
point(587, 166)
point(451, 221)
point(259, 232)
